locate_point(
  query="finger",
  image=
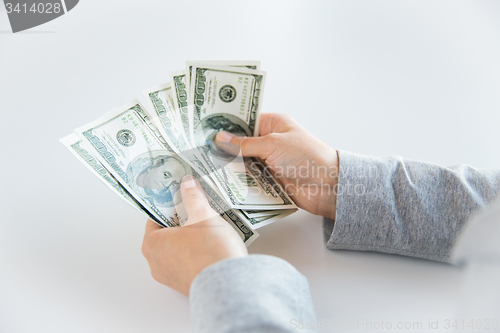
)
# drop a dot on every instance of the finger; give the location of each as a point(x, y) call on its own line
point(152, 226)
point(267, 123)
point(195, 202)
point(248, 146)
point(275, 123)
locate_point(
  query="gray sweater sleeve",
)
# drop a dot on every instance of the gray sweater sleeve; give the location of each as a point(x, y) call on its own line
point(404, 207)
point(257, 293)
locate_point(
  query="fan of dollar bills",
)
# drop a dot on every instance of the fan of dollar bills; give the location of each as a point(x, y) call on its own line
point(143, 153)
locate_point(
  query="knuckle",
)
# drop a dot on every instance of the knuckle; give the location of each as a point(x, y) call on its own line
point(199, 215)
point(283, 116)
point(273, 141)
point(155, 274)
point(273, 138)
point(203, 209)
point(145, 249)
point(286, 121)
point(193, 193)
point(243, 143)
point(197, 200)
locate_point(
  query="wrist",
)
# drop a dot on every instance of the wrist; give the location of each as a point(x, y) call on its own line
point(328, 201)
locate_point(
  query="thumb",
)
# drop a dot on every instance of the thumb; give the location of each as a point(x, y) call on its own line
point(195, 202)
point(249, 146)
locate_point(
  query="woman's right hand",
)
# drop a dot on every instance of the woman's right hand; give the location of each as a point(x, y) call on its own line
point(305, 167)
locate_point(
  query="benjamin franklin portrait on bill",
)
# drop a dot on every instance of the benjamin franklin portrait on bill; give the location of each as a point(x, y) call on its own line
point(157, 176)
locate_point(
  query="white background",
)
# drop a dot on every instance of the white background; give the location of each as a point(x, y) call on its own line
point(420, 79)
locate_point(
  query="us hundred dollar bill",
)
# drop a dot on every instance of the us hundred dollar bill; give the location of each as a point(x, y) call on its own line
point(128, 144)
point(165, 119)
point(179, 93)
point(224, 98)
point(76, 146)
point(251, 64)
point(259, 222)
point(169, 124)
point(180, 88)
point(130, 147)
point(263, 213)
point(229, 99)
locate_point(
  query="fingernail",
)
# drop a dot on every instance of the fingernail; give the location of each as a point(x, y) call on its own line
point(224, 137)
point(188, 181)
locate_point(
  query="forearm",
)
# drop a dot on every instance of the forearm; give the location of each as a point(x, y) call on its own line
point(404, 207)
point(252, 294)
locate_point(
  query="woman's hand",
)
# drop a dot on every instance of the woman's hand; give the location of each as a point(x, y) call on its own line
point(306, 167)
point(177, 255)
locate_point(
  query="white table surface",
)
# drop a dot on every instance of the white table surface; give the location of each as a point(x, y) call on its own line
point(420, 79)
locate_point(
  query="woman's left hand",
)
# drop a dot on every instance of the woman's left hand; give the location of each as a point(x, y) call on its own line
point(177, 255)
